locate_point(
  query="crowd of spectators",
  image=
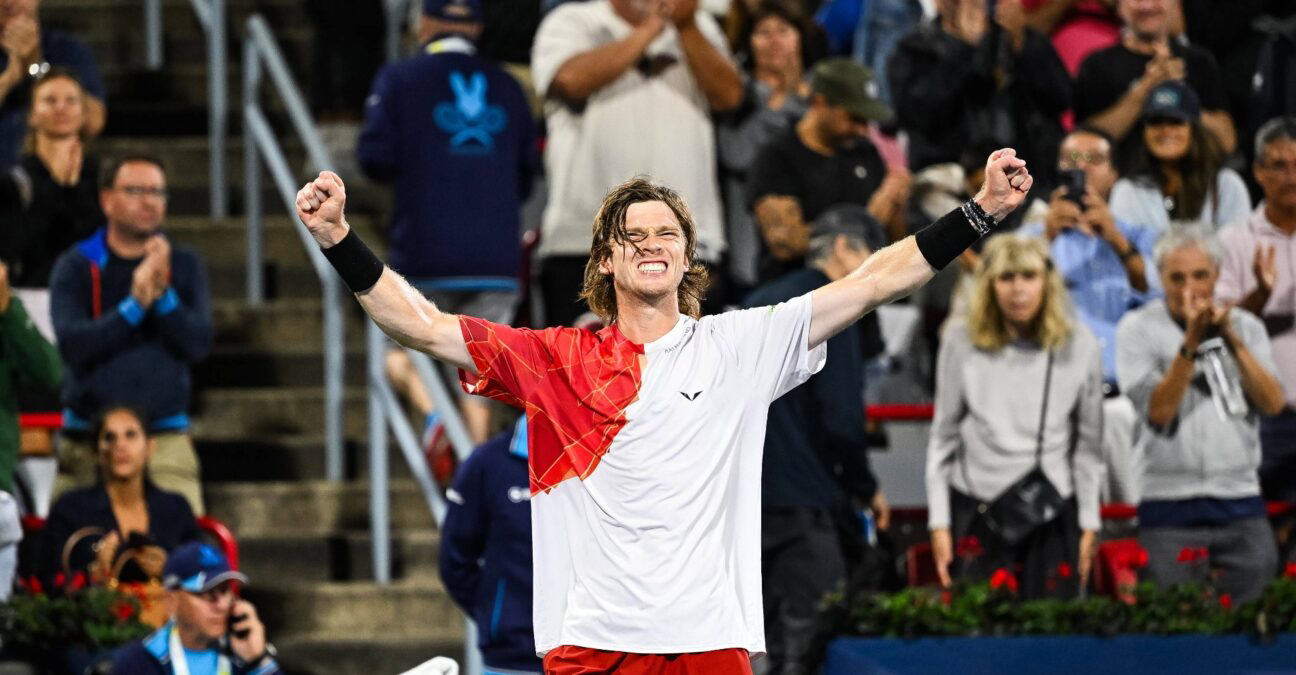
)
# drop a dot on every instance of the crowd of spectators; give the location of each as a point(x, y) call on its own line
point(1130, 337)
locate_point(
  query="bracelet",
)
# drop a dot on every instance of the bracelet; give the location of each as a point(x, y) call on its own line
point(981, 221)
point(1129, 252)
point(359, 268)
point(1185, 354)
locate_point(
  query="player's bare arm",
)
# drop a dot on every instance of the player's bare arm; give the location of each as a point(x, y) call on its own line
point(402, 312)
point(902, 268)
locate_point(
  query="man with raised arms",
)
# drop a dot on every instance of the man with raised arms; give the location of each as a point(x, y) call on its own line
point(646, 437)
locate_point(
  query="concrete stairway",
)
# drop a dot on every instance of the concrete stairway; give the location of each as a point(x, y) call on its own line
point(304, 541)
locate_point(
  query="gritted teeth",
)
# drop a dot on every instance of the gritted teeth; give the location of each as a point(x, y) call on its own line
point(652, 267)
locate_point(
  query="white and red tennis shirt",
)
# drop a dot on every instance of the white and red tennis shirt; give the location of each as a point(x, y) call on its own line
point(646, 473)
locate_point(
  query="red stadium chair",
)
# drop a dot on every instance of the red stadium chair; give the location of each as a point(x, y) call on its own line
point(1116, 571)
point(920, 565)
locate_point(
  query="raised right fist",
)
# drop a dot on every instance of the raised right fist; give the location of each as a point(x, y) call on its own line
point(319, 206)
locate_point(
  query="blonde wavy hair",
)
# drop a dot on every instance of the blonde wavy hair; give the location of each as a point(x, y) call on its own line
point(609, 231)
point(1013, 253)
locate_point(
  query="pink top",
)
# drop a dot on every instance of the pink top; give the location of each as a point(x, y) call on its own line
point(1237, 280)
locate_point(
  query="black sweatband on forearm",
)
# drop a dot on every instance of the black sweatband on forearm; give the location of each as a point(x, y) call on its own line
point(354, 262)
point(946, 239)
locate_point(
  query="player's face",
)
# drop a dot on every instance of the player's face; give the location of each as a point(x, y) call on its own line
point(136, 201)
point(1188, 268)
point(651, 263)
point(1020, 295)
point(58, 109)
point(1276, 173)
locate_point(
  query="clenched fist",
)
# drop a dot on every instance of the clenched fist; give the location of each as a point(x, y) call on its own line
point(320, 206)
point(1006, 183)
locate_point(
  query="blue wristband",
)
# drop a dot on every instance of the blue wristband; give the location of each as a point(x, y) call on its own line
point(131, 311)
point(167, 303)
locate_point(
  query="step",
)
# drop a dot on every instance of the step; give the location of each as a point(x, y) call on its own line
point(272, 458)
point(348, 556)
point(311, 507)
point(283, 323)
point(292, 366)
point(228, 281)
point(359, 610)
point(251, 412)
point(225, 240)
point(334, 655)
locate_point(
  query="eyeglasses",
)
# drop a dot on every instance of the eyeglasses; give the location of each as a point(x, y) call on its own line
point(1073, 159)
point(142, 191)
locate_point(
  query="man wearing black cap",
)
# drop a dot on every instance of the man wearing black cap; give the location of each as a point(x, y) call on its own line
point(453, 132)
point(816, 452)
point(824, 161)
point(1113, 84)
point(210, 631)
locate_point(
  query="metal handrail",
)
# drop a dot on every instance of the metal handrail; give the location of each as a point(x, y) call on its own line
point(387, 415)
point(394, 12)
point(260, 143)
point(211, 15)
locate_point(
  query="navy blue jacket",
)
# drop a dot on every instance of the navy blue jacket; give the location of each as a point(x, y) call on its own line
point(152, 656)
point(486, 549)
point(816, 445)
point(456, 135)
point(120, 352)
point(171, 523)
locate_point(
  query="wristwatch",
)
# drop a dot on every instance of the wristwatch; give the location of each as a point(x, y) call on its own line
point(1129, 252)
point(1185, 354)
point(269, 653)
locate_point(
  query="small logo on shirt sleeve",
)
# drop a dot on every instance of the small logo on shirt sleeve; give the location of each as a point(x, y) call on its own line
point(691, 397)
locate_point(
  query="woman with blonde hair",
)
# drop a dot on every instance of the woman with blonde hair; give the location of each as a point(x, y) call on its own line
point(1014, 458)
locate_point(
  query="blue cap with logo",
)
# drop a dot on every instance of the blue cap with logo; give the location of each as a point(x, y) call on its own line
point(197, 567)
point(1174, 99)
point(453, 10)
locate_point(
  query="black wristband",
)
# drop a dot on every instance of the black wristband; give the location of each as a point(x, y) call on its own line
point(354, 262)
point(946, 239)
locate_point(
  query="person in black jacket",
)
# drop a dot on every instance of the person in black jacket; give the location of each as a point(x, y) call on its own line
point(131, 316)
point(92, 529)
point(816, 454)
point(486, 550)
point(50, 199)
point(969, 77)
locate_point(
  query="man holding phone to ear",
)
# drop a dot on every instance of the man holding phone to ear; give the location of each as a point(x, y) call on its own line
point(211, 632)
point(1105, 263)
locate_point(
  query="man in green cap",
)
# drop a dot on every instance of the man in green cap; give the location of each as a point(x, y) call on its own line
point(824, 161)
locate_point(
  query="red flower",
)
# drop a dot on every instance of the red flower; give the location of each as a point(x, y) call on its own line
point(1202, 554)
point(947, 598)
point(123, 610)
point(1142, 560)
point(969, 547)
point(36, 586)
point(1003, 578)
point(1064, 570)
point(59, 580)
point(1226, 601)
point(78, 581)
point(1290, 572)
point(1189, 555)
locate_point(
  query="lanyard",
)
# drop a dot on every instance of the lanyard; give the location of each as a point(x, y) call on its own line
point(180, 665)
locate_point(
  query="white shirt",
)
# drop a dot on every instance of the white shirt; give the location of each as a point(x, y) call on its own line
point(656, 549)
point(1141, 202)
point(658, 125)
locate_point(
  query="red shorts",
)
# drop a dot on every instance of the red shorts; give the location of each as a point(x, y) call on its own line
point(567, 660)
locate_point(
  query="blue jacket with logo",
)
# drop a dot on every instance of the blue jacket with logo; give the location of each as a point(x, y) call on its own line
point(486, 549)
point(454, 133)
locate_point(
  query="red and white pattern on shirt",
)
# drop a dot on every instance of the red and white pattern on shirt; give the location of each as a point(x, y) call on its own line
point(573, 384)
